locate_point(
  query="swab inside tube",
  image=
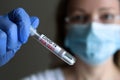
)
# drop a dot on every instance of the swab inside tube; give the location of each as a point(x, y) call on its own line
point(53, 47)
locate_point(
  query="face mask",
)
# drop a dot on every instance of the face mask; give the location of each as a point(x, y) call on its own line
point(93, 43)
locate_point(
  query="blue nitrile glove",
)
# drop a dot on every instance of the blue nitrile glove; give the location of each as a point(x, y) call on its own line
point(14, 31)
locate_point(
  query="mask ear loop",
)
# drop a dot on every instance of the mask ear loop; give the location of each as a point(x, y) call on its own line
point(118, 18)
point(67, 20)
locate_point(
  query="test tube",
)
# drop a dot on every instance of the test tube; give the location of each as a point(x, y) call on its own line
point(53, 47)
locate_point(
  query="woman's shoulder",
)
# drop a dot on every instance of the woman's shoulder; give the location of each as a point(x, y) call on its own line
point(51, 74)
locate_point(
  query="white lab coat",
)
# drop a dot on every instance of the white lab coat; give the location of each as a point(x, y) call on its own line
point(55, 74)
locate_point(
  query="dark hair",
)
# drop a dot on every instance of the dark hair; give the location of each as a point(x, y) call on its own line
point(60, 20)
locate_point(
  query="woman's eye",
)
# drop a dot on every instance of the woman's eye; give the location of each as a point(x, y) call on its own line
point(107, 17)
point(79, 18)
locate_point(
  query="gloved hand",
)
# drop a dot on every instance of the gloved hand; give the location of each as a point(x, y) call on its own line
point(14, 31)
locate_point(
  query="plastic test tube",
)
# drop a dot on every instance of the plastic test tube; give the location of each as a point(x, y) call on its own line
point(54, 48)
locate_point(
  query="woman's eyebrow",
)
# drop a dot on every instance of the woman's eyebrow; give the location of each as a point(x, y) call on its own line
point(84, 11)
point(80, 9)
point(104, 9)
point(77, 9)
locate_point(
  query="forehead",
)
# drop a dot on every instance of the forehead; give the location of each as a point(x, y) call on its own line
point(90, 5)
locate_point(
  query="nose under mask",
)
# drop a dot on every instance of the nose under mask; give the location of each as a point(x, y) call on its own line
point(93, 43)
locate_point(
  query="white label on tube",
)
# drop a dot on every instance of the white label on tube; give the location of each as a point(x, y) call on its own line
point(49, 44)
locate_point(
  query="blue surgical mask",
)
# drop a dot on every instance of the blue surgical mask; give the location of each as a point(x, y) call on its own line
point(93, 43)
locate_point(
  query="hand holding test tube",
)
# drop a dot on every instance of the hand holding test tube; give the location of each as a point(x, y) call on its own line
point(21, 22)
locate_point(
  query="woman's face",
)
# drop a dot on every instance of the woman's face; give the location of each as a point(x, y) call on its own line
point(84, 11)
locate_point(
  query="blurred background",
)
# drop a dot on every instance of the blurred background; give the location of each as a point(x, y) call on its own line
point(32, 57)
